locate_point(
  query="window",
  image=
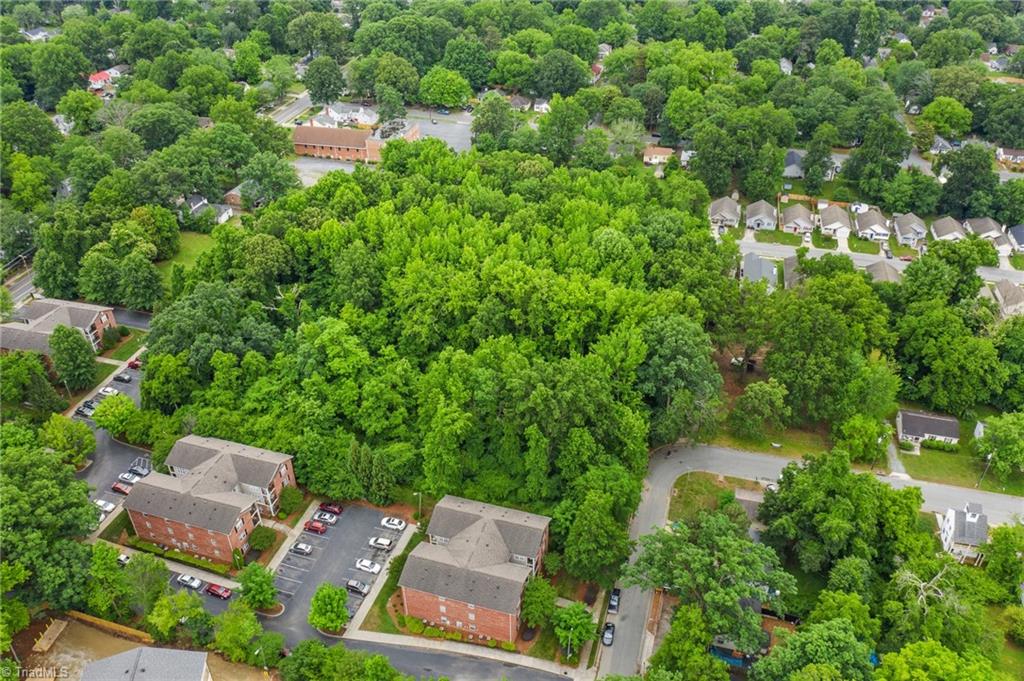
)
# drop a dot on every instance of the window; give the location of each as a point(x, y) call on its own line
point(443, 609)
point(441, 598)
point(472, 627)
point(470, 606)
point(444, 620)
point(149, 524)
point(472, 617)
point(170, 531)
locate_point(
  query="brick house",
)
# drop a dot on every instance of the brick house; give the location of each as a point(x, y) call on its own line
point(470, 573)
point(33, 323)
point(215, 496)
point(344, 144)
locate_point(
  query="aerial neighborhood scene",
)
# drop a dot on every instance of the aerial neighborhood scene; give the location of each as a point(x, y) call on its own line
point(512, 340)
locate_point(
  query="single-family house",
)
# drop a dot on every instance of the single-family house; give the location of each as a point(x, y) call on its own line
point(1010, 298)
point(322, 120)
point(872, 225)
point(233, 197)
point(756, 268)
point(948, 229)
point(595, 72)
point(1016, 234)
point(685, 156)
point(654, 155)
point(964, 531)
point(835, 222)
point(468, 575)
point(724, 213)
point(37, 35)
point(917, 426)
point(998, 64)
point(762, 215)
point(221, 213)
point(32, 324)
point(794, 164)
point(195, 203)
point(992, 48)
point(883, 272)
point(149, 664)
point(797, 218)
point(215, 496)
point(786, 66)
point(791, 275)
point(910, 107)
point(1008, 155)
point(99, 80)
point(985, 227)
point(910, 229)
point(344, 114)
point(118, 70)
point(940, 145)
point(603, 50)
point(542, 105)
point(901, 37)
point(520, 103)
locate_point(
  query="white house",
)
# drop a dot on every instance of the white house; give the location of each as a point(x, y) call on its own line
point(916, 426)
point(1010, 298)
point(343, 114)
point(761, 215)
point(1016, 234)
point(756, 268)
point(798, 219)
point(786, 66)
point(835, 221)
point(872, 225)
point(986, 228)
point(724, 213)
point(37, 35)
point(685, 156)
point(541, 105)
point(947, 229)
point(910, 229)
point(657, 155)
point(964, 531)
point(1009, 155)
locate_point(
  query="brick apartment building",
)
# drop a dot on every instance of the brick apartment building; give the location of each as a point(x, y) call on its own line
point(34, 322)
point(469, 575)
point(344, 144)
point(215, 496)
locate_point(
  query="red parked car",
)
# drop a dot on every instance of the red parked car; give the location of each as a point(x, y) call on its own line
point(219, 591)
point(331, 507)
point(121, 488)
point(135, 364)
point(314, 526)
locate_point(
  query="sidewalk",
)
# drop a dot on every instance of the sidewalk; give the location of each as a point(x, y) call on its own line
point(378, 584)
point(182, 568)
point(292, 534)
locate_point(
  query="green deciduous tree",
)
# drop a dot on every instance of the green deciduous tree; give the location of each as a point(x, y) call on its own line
point(328, 610)
point(108, 587)
point(833, 604)
point(73, 357)
point(257, 585)
point(80, 108)
point(1002, 556)
point(148, 577)
point(115, 413)
point(538, 602)
point(27, 128)
point(56, 68)
point(141, 284)
point(71, 438)
point(864, 438)
point(169, 611)
point(597, 544)
point(832, 643)
point(444, 87)
point(948, 117)
point(1002, 444)
point(558, 72)
point(324, 80)
point(932, 661)
point(574, 627)
point(234, 631)
point(762, 404)
point(267, 178)
point(684, 651)
point(559, 128)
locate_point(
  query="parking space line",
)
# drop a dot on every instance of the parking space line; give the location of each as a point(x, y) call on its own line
point(290, 579)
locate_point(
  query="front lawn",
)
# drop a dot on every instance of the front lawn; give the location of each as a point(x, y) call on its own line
point(378, 619)
point(960, 469)
point(699, 491)
point(899, 250)
point(794, 442)
point(103, 371)
point(858, 245)
point(822, 241)
point(777, 236)
point(129, 345)
point(193, 244)
point(546, 645)
point(1017, 260)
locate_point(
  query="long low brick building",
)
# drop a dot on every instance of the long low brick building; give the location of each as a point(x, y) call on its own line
point(32, 325)
point(343, 144)
point(470, 575)
point(216, 495)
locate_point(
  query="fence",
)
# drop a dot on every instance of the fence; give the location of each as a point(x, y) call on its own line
point(111, 627)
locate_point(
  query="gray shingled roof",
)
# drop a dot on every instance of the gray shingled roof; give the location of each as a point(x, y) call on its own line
point(870, 219)
point(33, 323)
point(946, 226)
point(208, 496)
point(909, 224)
point(761, 209)
point(474, 565)
point(1010, 295)
point(756, 268)
point(148, 664)
point(726, 207)
point(986, 227)
point(882, 271)
point(797, 214)
point(920, 424)
point(970, 533)
point(834, 214)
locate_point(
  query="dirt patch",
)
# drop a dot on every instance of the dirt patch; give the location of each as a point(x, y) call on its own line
point(406, 512)
point(26, 638)
point(736, 379)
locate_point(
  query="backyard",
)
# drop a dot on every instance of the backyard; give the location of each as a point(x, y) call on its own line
point(193, 244)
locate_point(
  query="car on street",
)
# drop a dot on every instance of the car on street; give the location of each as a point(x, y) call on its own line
point(123, 378)
point(85, 411)
point(104, 505)
point(301, 548)
point(367, 565)
point(314, 526)
point(357, 587)
point(608, 637)
point(129, 478)
point(103, 516)
point(107, 391)
point(218, 591)
point(613, 601)
point(135, 364)
point(325, 517)
point(390, 523)
point(381, 543)
point(124, 559)
point(190, 582)
point(121, 488)
point(331, 507)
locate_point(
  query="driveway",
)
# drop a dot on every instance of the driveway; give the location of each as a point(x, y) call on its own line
point(333, 560)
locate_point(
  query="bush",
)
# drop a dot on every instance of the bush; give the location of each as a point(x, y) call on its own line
point(491, 643)
point(291, 499)
point(433, 632)
point(400, 620)
point(262, 538)
point(110, 338)
point(906, 446)
point(842, 193)
point(237, 559)
point(1015, 620)
point(552, 563)
point(201, 563)
point(508, 645)
point(124, 331)
point(281, 515)
point(413, 625)
point(453, 635)
point(143, 545)
point(939, 445)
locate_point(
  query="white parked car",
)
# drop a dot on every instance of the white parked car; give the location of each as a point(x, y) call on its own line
point(301, 548)
point(123, 559)
point(129, 478)
point(107, 391)
point(104, 505)
point(393, 523)
point(190, 582)
point(381, 543)
point(325, 517)
point(367, 565)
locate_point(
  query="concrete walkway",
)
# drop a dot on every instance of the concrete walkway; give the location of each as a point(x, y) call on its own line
point(292, 534)
point(180, 568)
point(895, 463)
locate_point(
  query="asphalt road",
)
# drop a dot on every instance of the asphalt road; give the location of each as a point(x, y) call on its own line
point(667, 465)
point(425, 664)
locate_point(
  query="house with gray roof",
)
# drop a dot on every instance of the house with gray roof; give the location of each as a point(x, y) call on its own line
point(872, 225)
point(834, 219)
point(798, 219)
point(964, 531)
point(948, 229)
point(32, 324)
point(986, 228)
point(724, 213)
point(469, 575)
point(910, 229)
point(793, 166)
point(917, 426)
point(216, 494)
point(761, 215)
point(756, 268)
point(1016, 234)
point(882, 272)
point(1010, 298)
point(149, 664)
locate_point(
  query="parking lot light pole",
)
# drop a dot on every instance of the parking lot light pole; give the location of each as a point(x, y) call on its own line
point(419, 512)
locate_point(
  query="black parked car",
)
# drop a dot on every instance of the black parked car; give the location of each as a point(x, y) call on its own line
point(123, 378)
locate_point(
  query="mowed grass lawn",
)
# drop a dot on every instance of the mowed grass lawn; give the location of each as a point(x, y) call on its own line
point(794, 442)
point(1017, 260)
point(858, 245)
point(695, 492)
point(192, 245)
point(777, 236)
point(129, 346)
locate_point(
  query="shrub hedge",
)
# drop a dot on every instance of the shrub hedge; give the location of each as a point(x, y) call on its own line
point(939, 445)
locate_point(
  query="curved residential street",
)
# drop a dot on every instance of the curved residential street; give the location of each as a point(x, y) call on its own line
point(632, 643)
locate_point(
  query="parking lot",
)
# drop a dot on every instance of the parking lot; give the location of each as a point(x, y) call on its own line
point(333, 560)
point(213, 605)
